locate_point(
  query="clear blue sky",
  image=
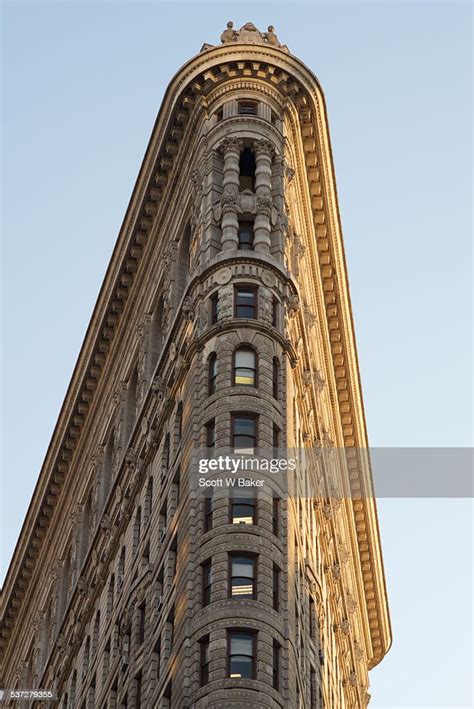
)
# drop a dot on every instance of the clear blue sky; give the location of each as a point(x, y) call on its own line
point(82, 83)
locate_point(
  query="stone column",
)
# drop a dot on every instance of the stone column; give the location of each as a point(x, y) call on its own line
point(230, 224)
point(263, 188)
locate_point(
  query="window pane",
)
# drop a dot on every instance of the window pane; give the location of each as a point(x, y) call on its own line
point(212, 373)
point(210, 434)
point(241, 667)
point(245, 358)
point(245, 236)
point(244, 377)
point(241, 644)
point(245, 303)
point(244, 426)
point(245, 296)
point(244, 434)
point(243, 513)
point(242, 566)
point(242, 577)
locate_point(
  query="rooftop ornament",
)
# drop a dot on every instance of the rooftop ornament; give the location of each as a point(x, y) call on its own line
point(248, 34)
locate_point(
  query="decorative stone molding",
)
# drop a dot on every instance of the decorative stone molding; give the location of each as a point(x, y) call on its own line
point(336, 571)
point(358, 651)
point(309, 318)
point(293, 305)
point(345, 627)
point(352, 604)
point(158, 388)
point(264, 205)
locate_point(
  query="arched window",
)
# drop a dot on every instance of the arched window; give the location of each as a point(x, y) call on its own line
point(246, 236)
point(247, 168)
point(245, 367)
point(212, 373)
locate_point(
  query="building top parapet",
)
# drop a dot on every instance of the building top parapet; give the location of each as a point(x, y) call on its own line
point(248, 34)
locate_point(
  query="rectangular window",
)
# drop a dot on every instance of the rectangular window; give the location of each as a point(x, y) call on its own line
point(276, 665)
point(245, 302)
point(212, 373)
point(141, 623)
point(244, 433)
point(214, 314)
point(211, 433)
point(248, 108)
point(276, 439)
point(208, 513)
point(275, 312)
point(243, 508)
point(138, 691)
point(246, 236)
point(243, 574)
point(276, 516)
point(204, 661)
point(276, 378)
point(241, 654)
point(206, 582)
point(276, 587)
point(156, 660)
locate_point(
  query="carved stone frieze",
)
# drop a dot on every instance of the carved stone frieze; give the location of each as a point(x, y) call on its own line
point(264, 205)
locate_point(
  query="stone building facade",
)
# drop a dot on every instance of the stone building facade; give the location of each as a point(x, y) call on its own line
point(224, 322)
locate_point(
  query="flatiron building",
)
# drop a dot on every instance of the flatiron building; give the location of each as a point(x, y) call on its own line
point(223, 323)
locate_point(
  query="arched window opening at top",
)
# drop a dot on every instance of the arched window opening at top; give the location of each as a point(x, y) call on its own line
point(248, 108)
point(246, 236)
point(247, 168)
point(245, 367)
